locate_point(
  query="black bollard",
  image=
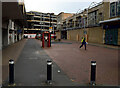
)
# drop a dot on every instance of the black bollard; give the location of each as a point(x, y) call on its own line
point(93, 72)
point(11, 72)
point(49, 71)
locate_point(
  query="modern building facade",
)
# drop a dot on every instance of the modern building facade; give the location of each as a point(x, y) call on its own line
point(60, 18)
point(92, 23)
point(39, 22)
point(13, 22)
point(112, 25)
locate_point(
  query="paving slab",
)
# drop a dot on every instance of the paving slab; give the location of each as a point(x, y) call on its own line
point(75, 62)
point(10, 52)
point(31, 68)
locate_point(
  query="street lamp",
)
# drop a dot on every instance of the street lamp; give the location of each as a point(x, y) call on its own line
point(50, 29)
point(83, 16)
point(90, 6)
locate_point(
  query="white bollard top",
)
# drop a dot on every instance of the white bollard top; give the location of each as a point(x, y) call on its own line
point(93, 62)
point(49, 62)
point(11, 61)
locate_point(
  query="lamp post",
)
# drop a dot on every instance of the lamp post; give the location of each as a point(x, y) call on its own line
point(90, 6)
point(50, 29)
point(83, 16)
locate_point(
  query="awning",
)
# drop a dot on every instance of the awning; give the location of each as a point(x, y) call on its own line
point(114, 21)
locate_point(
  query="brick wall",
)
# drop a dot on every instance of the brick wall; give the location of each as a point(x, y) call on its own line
point(58, 34)
point(95, 35)
point(75, 35)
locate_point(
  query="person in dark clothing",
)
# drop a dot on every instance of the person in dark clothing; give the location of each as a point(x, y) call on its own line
point(83, 43)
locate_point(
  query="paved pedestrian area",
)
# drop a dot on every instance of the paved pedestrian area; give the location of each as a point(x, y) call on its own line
point(31, 68)
point(73, 63)
point(11, 52)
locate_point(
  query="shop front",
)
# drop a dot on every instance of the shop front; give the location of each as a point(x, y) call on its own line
point(112, 31)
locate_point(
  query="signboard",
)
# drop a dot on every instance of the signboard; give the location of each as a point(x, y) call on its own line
point(50, 29)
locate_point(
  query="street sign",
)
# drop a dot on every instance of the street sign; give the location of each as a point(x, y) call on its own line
point(50, 29)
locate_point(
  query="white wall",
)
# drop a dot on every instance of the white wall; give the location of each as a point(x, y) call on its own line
point(13, 33)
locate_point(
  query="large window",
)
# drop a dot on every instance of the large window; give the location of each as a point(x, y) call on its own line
point(118, 8)
point(115, 9)
point(112, 9)
point(92, 18)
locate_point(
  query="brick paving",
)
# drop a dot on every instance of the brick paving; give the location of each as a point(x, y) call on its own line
point(31, 67)
point(75, 62)
point(11, 52)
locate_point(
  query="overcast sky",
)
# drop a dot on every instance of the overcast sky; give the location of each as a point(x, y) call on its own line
point(57, 6)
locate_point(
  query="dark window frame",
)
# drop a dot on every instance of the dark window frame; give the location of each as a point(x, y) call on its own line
point(118, 8)
point(112, 7)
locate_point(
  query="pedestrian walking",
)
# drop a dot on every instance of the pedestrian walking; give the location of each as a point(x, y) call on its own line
point(83, 42)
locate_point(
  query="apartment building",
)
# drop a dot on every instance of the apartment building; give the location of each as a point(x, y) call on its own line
point(61, 33)
point(111, 26)
point(13, 22)
point(91, 23)
point(39, 22)
point(83, 23)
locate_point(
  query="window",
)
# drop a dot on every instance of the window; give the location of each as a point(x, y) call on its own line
point(92, 18)
point(118, 8)
point(100, 16)
point(112, 9)
point(115, 9)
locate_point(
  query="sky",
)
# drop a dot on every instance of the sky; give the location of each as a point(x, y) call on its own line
point(57, 6)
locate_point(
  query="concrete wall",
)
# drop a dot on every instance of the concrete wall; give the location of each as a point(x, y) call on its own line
point(20, 36)
point(10, 37)
point(119, 36)
point(95, 35)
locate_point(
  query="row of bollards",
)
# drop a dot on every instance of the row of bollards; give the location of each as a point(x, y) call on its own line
point(49, 72)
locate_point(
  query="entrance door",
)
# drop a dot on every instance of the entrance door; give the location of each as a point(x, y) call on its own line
point(111, 36)
point(64, 34)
